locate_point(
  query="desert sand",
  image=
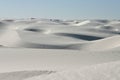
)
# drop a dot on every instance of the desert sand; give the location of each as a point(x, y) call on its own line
point(53, 49)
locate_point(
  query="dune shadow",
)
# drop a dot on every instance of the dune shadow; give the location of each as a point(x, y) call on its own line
point(103, 21)
point(33, 30)
point(8, 20)
point(79, 36)
point(2, 25)
point(42, 46)
point(21, 75)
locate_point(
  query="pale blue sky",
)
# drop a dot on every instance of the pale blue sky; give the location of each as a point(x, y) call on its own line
point(63, 9)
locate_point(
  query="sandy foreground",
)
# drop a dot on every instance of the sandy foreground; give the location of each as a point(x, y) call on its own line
point(52, 49)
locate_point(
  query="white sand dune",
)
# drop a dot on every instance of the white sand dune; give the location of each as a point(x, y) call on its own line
point(108, 71)
point(91, 23)
point(21, 75)
point(83, 23)
point(48, 49)
point(21, 64)
point(98, 45)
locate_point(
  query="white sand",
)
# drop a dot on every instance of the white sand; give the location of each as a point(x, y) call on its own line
point(43, 49)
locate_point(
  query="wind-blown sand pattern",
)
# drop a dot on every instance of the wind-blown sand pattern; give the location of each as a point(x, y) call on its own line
point(52, 49)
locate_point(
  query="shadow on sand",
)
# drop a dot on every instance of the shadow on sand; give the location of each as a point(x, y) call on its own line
point(79, 36)
point(21, 75)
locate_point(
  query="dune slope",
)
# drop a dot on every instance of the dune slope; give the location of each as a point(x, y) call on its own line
point(53, 49)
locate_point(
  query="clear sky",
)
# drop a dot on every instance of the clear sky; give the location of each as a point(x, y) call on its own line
point(62, 9)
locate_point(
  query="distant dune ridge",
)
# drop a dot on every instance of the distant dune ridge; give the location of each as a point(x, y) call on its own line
point(28, 33)
point(63, 42)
